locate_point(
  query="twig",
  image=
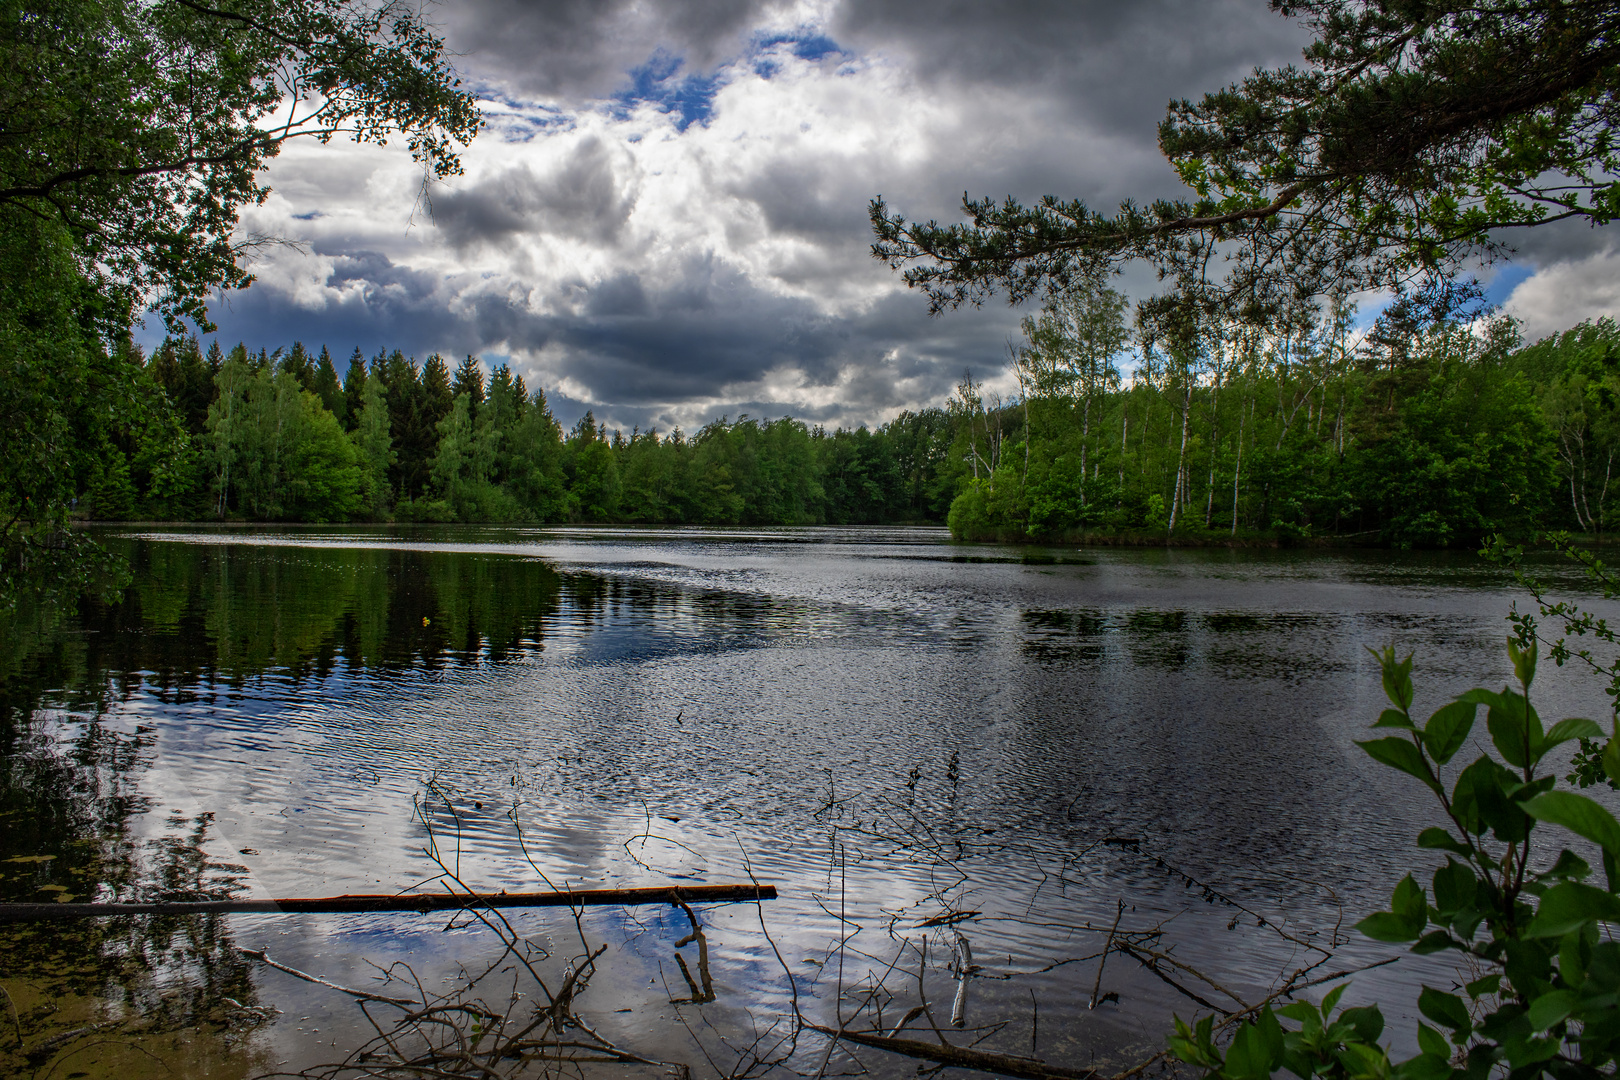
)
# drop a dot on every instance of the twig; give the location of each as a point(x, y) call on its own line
point(946, 1054)
point(364, 995)
point(964, 970)
point(1108, 947)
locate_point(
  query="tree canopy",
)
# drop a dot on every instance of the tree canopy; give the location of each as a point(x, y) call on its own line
point(1415, 136)
point(141, 129)
point(132, 133)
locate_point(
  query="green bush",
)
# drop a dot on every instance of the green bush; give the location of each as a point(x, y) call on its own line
point(1545, 996)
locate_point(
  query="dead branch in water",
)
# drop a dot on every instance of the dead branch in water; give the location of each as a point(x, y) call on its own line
point(946, 1054)
point(406, 902)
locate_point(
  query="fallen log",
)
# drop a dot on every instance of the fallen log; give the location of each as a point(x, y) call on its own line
point(946, 1054)
point(416, 902)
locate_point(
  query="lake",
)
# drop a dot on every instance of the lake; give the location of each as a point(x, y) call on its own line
point(951, 760)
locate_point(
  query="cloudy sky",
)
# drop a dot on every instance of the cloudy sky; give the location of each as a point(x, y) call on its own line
point(665, 219)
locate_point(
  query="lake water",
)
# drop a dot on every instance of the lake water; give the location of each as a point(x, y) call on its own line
point(888, 727)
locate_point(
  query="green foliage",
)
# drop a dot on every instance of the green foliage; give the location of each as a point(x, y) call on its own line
point(1545, 996)
point(139, 127)
point(278, 453)
point(373, 447)
point(1413, 134)
point(135, 133)
point(1426, 436)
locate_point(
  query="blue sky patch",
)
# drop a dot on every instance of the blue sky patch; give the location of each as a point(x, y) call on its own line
point(1506, 280)
point(806, 45)
point(659, 82)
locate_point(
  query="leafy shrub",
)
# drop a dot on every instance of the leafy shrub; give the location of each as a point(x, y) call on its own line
point(1547, 1001)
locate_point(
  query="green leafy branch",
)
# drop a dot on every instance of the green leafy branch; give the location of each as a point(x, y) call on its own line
point(1549, 999)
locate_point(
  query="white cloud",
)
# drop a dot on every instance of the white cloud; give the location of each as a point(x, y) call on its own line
point(1560, 295)
point(667, 243)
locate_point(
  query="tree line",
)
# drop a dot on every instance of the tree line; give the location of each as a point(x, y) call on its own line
point(1413, 433)
point(279, 436)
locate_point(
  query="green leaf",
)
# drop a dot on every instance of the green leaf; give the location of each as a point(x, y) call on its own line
point(1445, 1009)
point(1408, 902)
point(1424, 1067)
point(1524, 661)
point(1479, 803)
point(1448, 729)
point(1454, 886)
point(1431, 1041)
point(1611, 757)
point(1579, 814)
point(1465, 795)
point(1481, 987)
point(1366, 1021)
point(1385, 926)
point(1393, 718)
point(1574, 727)
point(1515, 730)
point(1332, 998)
point(1401, 754)
point(1573, 953)
point(1569, 866)
point(1435, 941)
point(1397, 676)
point(1481, 696)
point(1552, 1007)
point(1255, 1049)
point(1301, 1012)
point(1570, 905)
point(1435, 837)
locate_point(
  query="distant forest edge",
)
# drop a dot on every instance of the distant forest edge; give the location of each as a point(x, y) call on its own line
point(1407, 436)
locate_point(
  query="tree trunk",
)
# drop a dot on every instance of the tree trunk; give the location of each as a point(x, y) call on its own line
point(1237, 470)
point(1181, 459)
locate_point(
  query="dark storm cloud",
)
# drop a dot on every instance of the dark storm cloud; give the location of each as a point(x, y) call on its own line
point(1559, 242)
point(586, 48)
point(1080, 85)
point(817, 200)
point(379, 275)
point(1115, 64)
point(585, 198)
point(642, 353)
point(1111, 63)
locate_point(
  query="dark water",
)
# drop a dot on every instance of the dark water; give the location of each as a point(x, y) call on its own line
point(886, 726)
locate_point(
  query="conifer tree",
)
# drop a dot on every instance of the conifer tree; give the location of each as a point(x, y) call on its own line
point(354, 388)
point(327, 388)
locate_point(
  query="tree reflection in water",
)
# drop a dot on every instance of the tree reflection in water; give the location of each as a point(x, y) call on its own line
point(137, 996)
point(125, 997)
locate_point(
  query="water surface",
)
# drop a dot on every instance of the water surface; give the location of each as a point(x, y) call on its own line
point(887, 726)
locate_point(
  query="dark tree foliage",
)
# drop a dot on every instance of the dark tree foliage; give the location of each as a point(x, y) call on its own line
point(134, 132)
point(141, 129)
point(325, 385)
point(354, 389)
point(469, 380)
point(1415, 136)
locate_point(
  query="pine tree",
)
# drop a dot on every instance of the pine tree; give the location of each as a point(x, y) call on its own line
point(354, 390)
point(300, 366)
point(469, 380)
point(327, 388)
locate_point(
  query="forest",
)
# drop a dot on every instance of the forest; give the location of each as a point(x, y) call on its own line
point(1407, 433)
